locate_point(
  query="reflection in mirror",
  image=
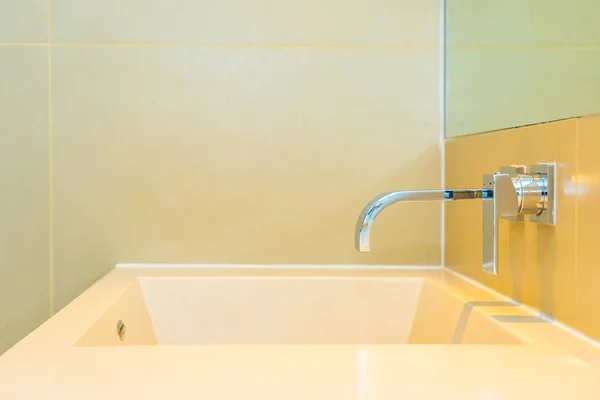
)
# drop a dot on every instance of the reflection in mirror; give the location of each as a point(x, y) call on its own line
point(519, 62)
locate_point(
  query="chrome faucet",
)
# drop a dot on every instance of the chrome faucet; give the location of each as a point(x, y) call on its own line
point(511, 194)
point(379, 203)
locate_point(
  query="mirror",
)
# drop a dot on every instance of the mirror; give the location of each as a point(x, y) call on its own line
point(511, 63)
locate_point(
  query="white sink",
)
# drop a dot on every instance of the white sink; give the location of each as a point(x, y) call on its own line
point(295, 310)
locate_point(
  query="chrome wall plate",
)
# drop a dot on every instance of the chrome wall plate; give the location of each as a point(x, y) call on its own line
point(548, 216)
point(514, 170)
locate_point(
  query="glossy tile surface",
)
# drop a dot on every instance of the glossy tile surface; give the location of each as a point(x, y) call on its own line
point(24, 214)
point(550, 268)
point(239, 156)
point(23, 21)
point(354, 22)
point(588, 195)
point(536, 263)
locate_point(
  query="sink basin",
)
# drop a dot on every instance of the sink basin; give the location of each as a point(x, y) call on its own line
point(296, 310)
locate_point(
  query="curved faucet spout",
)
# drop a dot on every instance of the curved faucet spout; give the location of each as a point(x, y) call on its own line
point(379, 203)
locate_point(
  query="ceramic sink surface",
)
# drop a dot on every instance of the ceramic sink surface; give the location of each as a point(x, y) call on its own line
point(355, 333)
point(301, 310)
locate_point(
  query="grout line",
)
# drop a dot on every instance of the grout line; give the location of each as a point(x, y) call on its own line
point(343, 267)
point(227, 46)
point(51, 306)
point(300, 45)
point(576, 215)
point(442, 146)
point(577, 194)
point(529, 47)
point(7, 44)
point(257, 46)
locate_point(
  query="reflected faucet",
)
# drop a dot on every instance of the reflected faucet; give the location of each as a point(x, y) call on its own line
point(510, 194)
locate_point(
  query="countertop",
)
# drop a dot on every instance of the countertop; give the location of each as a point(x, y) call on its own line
point(558, 364)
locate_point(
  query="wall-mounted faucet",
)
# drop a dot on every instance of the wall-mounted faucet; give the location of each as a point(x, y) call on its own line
point(512, 194)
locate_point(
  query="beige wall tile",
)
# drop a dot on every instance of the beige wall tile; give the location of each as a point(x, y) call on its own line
point(24, 273)
point(403, 22)
point(23, 21)
point(537, 263)
point(523, 22)
point(588, 271)
point(495, 89)
point(239, 156)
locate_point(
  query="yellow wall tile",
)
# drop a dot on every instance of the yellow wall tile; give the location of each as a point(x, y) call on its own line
point(554, 269)
point(588, 211)
point(24, 265)
point(403, 22)
point(537, 264)
point(23, 21)
point(239, 156)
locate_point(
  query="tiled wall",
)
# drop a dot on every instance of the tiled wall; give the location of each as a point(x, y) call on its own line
point(518, 62)
point(201, 131)
point(554, 269)
point(24, 206)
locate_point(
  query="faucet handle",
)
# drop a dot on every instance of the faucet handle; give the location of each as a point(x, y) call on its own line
point(500, 199)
